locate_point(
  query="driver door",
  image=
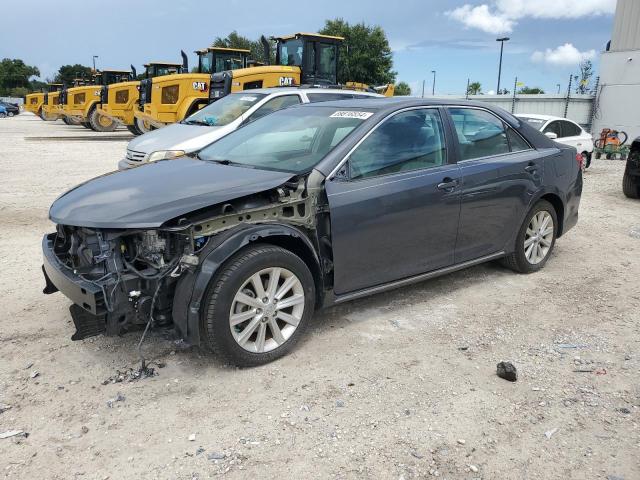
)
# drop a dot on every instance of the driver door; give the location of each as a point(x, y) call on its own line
point(395, 212)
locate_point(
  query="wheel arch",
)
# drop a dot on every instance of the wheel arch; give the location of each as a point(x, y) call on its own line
point(192, 288)
point(558, 205)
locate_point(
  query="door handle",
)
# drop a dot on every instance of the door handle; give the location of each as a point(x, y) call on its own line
point(532, 168)
point(448, 184)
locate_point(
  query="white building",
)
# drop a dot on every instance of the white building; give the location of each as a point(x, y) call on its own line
point(618, 100)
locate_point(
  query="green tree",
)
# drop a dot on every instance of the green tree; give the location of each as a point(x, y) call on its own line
point(365, 55)
point(402, 89)
point(235, 40)
point(14, 73)
point(66, 73)
point(530, 90)
point(474, 88)
point(586, 72)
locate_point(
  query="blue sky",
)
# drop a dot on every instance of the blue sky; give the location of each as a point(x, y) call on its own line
point(455, 38)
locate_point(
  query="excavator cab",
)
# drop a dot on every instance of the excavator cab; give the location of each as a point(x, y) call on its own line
point(316, 55)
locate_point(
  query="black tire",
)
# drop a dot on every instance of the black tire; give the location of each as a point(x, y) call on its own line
point(587, 159)
point(133, 129)
point(215, 329)
point(630, 186)
point(3, 115)
point(95, 121)
point(142, 128)
point(517, 260)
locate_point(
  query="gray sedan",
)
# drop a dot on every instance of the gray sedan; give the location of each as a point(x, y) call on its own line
point(311, 206)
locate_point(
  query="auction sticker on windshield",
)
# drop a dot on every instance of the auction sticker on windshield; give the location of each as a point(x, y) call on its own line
point(248, 99)
point(351, 114)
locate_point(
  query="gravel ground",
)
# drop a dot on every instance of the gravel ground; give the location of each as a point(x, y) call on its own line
point(399, 385)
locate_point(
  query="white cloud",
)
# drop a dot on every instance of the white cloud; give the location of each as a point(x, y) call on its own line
point(565, 54)
point(501, 15)
point(480, 17)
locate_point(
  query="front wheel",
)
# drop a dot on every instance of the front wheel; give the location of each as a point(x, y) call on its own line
point(536, 239)
point(258, 306)
point(142, 126)
point(100, 123)
point(10, 114)
point(2, 114)
point(134, 130)
point(586, 160)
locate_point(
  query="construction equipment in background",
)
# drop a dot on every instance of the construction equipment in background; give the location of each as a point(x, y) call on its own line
point(50, 110)
point(302, 59)
point(170, 98)
point(80, 103)
point(611, 145)
point(119, 101)
point(33, 102)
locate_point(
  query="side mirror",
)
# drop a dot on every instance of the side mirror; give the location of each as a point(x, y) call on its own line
point(551, 135)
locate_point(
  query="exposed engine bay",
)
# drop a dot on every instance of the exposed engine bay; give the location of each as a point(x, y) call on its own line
point(135, 272)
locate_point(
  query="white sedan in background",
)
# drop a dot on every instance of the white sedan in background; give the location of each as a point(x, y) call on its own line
point(564, 131)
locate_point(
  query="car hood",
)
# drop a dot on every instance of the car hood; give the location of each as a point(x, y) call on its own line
point(177, 136)
point(152, 194)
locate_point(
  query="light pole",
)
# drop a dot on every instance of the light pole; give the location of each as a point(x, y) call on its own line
point(558, 85)
point(433, 86)
point(501, 40)
point(422, 88)
point(94, 62)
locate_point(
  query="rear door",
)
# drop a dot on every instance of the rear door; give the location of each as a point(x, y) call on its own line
point(394, 207)
point(500, 173)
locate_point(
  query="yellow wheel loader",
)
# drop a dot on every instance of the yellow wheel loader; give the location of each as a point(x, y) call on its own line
point(302, 59)
point(170, 98)
point(80, 103)
point(119, 101)
point(33, 102)
point(50, 110)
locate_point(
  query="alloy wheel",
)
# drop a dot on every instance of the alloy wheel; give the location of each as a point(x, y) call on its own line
point(267, 309)
point(538, 237)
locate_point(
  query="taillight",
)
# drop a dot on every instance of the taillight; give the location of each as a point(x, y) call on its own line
point(580, 160)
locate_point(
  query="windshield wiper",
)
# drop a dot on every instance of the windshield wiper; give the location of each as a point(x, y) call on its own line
point(196, 122)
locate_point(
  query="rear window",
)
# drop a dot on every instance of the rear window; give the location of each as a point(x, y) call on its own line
point(533, 122)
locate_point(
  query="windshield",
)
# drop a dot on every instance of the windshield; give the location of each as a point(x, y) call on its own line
point(291, 52)
point(228, 61)
point(160, 70)
point(533, 122)
point(291, 140)
point(224, 111)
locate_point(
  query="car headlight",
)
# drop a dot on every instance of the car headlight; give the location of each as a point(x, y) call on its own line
point(165, 155)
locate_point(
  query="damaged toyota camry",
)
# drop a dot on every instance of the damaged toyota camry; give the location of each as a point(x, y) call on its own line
point(235, 247)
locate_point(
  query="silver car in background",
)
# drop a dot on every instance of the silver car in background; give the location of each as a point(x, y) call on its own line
point(221, 118)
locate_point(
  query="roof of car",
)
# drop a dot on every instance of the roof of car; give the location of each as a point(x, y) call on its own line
point(394, 102)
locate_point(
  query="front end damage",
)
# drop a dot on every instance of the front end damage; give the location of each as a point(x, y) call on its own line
point(120, 280)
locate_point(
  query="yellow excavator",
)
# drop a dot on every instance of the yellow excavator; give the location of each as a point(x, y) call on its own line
point(170, 98)
point(119, 101)
point(302, 59)
point(80, 103)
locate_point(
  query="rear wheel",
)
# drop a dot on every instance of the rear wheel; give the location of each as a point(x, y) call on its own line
point(133, 129)
point(630, 186)
point(100, 123)
point(86, 125)
point(586, 160)
point(10, 114)
point(258, 306)
point(535, 240)
point(3, 115)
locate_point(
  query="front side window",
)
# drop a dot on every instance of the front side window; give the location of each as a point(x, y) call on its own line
point(224, 111)
point(275, 104)
point(480, 134)
point(554, 127)
point(292, 140)
point(206, 61)
point(291, 52)
point(408, 141)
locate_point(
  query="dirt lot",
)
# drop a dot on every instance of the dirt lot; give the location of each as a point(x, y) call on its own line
point(400, 385)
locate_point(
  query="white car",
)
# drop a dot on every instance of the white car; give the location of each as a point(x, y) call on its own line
point(564, 131)
point(222, 117)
